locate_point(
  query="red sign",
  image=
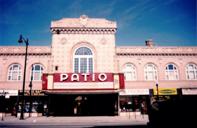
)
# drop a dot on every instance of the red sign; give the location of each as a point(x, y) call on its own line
point(121, 81)
point(83, 81)
point(44, 81)
point(83, 77)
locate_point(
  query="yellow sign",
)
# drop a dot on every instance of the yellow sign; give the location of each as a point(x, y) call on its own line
point(165, 91)
point(33, 93)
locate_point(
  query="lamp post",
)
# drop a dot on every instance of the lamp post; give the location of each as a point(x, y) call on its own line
point(2, 118)
point(157, 88)
point(26, 41)
point(30, 91)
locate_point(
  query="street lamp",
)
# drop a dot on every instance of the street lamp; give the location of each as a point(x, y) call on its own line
point(157, 88)
point(30, 91)
point(26, 41)
point(2, 118)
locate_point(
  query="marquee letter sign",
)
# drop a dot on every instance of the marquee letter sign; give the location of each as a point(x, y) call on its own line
point(80, 81)
point(83, 77)
point(83, 81)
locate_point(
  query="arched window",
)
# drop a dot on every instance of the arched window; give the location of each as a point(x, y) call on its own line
point(37, 72)
point(150, 72)
point(83, 60)
point(14, 72)
point(171, 72)
point(129, 71)
point(191, 72)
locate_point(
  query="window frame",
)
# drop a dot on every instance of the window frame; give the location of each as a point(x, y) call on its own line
point(132, 72)
point(18, 72)
point(79, 58)
point(169, 71)
point(147, 71)
point(188, 70)
point(36, 71)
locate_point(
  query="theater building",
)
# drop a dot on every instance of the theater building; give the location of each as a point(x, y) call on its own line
point(83, 72)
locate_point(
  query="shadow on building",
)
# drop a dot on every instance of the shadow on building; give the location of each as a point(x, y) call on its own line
point(178, 112)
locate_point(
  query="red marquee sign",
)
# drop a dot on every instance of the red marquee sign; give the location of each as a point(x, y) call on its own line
point(83, 77)
point(83, 81)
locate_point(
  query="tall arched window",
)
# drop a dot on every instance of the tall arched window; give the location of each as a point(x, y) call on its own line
point(191, 71)
point(129, 71)
point(37, 72)
point(14, 72)
point(171, 72)
point(83, 60)
point(150, 72)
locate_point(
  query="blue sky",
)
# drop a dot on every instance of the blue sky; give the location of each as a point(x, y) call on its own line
point(167, 22)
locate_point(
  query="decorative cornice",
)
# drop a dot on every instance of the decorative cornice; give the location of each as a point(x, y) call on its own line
point(156, 51)
point(83, 21)
point(57, 30)
point(20, 50)
point(83, 25)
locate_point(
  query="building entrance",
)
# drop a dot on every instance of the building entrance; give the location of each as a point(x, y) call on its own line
point(83, 104)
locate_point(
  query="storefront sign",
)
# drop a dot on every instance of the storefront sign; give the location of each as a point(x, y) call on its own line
point(82, 81)
point(121, 80)
point(135, 92)
point(8, 93)
point(166, 91)
point(83, 77)
point(189, 91)
point(33, 93)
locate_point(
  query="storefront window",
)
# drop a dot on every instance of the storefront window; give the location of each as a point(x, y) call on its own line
point(133, 104)
point(37, 107)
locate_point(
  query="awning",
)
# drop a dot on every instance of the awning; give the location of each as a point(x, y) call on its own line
point(70, 92)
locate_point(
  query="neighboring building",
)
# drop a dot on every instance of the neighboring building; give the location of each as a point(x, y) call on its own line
point(83, 71)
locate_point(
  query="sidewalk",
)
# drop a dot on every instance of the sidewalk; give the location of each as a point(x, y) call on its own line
point(86, 120)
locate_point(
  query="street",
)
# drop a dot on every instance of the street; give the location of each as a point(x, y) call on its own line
point(76, 122)
point(72, 126)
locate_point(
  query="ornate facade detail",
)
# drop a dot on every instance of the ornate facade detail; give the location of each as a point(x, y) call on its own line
point(63, 41)
point(34, 50)
point(83, 25)
point(83, 20)
point(83, 30)
point(103, 41)
point(80, 22)
point(156, 51)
